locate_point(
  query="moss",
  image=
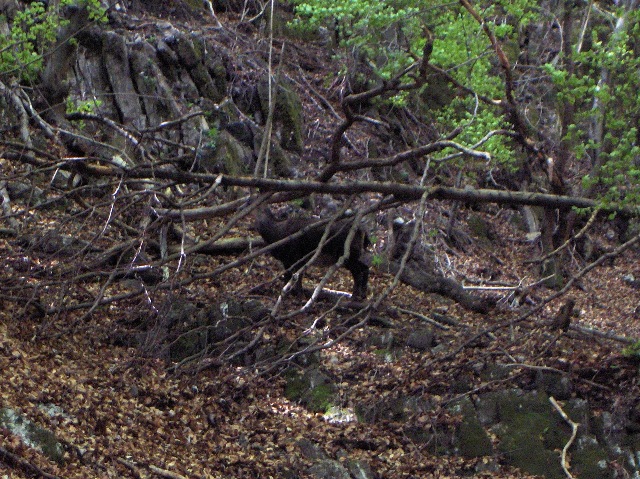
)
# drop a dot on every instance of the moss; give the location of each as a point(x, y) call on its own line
point(187, 345)
point(471, 438)
point(518, 222)
point(280, 161)
point(288, 111)
point(225, 155)
point(531, 434)
point(480, 228)
point(197, 4)
point(589, 459)
point(319, 398)
point(198, 46)
point(47, 442)
point(387, 355)
point(551, 271)
point(205, 83)
point(312, 389)
point(524, 449)
point(291, 120)
point(219, 74)
point(493, 372)
point(421, 435)
point(295, 387)
point(32, 435)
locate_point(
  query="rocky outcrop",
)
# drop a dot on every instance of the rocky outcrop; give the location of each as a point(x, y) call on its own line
point(504, 427)
point(169, 91)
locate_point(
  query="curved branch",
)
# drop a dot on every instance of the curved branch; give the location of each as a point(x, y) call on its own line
point(574, 431)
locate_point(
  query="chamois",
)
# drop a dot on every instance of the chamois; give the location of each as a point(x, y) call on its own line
point(294, 253)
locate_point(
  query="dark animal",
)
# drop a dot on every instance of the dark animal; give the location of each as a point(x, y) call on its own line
point(294, 253)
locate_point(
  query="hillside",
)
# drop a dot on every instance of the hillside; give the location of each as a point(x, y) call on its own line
point(148, 334)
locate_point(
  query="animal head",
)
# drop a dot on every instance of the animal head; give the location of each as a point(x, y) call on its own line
point(305, 236)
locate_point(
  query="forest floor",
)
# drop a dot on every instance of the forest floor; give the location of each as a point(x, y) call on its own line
point(127, 415)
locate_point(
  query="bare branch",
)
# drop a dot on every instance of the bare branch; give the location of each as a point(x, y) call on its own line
point(574, 431)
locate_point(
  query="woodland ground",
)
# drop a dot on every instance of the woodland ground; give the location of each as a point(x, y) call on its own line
point(126, 413)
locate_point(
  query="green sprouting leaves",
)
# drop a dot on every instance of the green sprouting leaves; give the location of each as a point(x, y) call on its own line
point(391, 35)
point(598, 81)
point(83, 106)
point(97, 13)
point(632, 351)
point(572, 88)
point(603, 89)
point(375, 28)
point(212, 135)
point(33, 32)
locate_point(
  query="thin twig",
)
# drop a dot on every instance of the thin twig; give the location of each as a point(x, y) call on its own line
point(574, 431)
point(424, 318)
point(25, 466)
point(165, 473)
point(527, 314)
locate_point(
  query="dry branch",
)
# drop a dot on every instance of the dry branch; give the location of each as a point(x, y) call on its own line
point(574, 431)
point(165, 473)
point(401, 191)
point(527, 314)
point(17, 462)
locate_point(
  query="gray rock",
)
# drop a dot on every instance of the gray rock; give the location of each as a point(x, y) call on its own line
point(360, 469)
point(421, 339)
point(471, 440)
point(31, 434)
point(311, 450)
point(328, 469)
point(554, 384)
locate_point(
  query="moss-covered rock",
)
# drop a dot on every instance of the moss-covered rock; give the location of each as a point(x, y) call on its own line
point(392, 409)
point(287, 111)
point(313, 388)
point(550, 270)
point(481, 229)
point(198, 328)
point(531, 433)
point(191, 53)
point(554, 384)
point(328, 469)
point(422, 339)
point(589, 459)
point(471, 440)
point(223, 153)
point(524, 449)
point(31, 434)
point(279, 161)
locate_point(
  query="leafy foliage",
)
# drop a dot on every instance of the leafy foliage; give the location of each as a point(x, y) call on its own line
point(604, 89)
point(83, 106)
point(391, 35)
point(33, 33)
point(599, 82)
point(212, 135)
point(632, 351)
